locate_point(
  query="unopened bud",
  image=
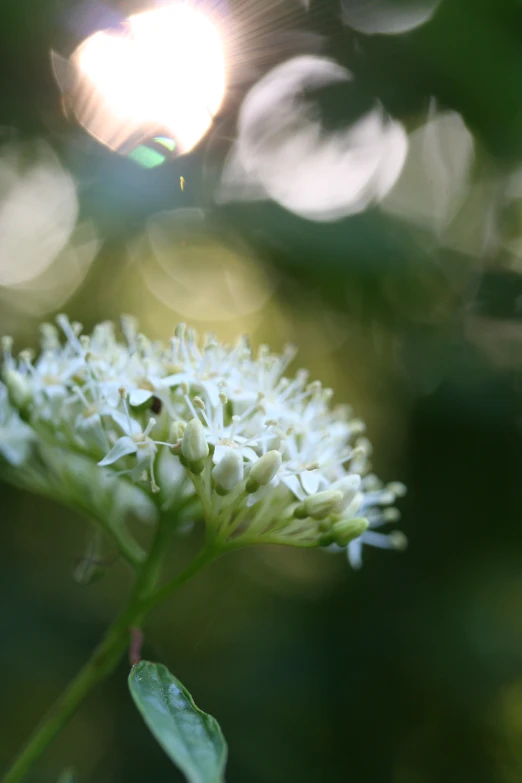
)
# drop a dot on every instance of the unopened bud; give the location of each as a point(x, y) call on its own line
point(18, 388)
point(321, 504)
point(346, 530)
point(194, 446)
point(177, 429)
point(229, 471)
point(264, 470)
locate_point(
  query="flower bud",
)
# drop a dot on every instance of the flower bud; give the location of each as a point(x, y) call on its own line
point(346, 530)
point(264, 470)
point(194, 446)
point(177, 429)
point(321, 504)
point(18, 388)
point(229, 471)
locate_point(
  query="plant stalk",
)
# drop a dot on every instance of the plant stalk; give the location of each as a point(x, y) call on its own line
point(109, 652)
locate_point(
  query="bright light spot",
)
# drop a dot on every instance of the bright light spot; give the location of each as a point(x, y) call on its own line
point(283, 152)
point(38, 212)
point(198, 275)
point(387, 17)
point(164, 75)
point(53, 287)
point(45, 253)
point(436, 179)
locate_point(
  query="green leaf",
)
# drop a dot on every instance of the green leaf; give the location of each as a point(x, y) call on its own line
point(192, 739)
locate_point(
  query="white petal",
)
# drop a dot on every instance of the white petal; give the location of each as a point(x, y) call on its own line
point(121, 448)
point(354, 553)
point(310, 480)
point(213, 390)
point(123, 421)
point(380, 540)
point(219, 453)
point(139, 396)
point(294, 485)
point(109, 392)
point(249, 454)
point(177, 379)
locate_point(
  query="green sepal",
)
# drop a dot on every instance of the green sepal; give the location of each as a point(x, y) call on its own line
point(196, 467)
point(251, 486)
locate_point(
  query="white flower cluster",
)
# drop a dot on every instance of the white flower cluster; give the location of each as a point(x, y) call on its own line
point(268, 457)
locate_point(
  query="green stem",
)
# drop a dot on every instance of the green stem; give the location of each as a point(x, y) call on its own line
point(103, 661)
point(206, 556)
point(109, 652)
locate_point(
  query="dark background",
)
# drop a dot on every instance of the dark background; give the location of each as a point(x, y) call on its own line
point(409, 671)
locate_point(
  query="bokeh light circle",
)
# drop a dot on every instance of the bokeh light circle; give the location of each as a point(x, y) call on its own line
point(155, 84)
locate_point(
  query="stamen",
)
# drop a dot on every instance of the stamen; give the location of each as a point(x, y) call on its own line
point(123, 397)
point(151, 423)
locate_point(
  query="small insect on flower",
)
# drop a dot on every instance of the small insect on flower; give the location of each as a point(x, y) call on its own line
point(156, 405)
point(265, 456)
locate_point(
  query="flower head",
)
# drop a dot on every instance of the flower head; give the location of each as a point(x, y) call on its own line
point(268, 456)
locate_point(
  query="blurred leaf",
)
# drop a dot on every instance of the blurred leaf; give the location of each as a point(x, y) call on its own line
point(190, 737)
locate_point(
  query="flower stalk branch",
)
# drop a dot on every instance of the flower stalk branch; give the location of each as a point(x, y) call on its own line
point(109, 652)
